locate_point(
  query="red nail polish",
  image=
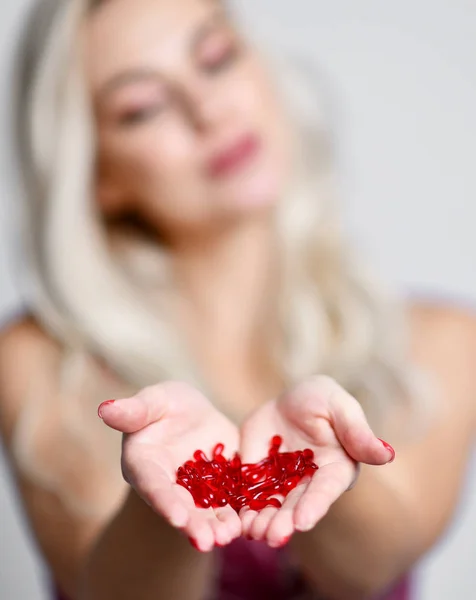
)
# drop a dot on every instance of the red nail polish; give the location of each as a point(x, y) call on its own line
point(100, 407)
point(193, 541)
point(390, 449)
point(283, 542)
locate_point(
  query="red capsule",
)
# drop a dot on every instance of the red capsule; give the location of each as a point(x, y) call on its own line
point(290, 484)
point(192, 473)
point(202, 502)
point(199, 455)
point(221, 498)
point(187, 486)
point(257, 504)
point(310, 470)
point(273, 502)
point(217, 467)
point(236, 462)
point(206, 469)
point(239, 502)
point(218, 450)
point(219, 481)
point(299, 464)
point(261, 495)
point(184, 480)
point(264, 462)
point(267, 484)
point(255, 476)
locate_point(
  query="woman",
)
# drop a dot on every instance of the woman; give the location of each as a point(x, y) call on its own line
point(187, 259)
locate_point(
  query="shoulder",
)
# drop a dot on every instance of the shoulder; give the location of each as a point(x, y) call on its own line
point(443, 342)
point(27, 354)
point(444, 327)
point(23, 341)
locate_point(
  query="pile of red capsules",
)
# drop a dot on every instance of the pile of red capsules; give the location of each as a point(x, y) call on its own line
point(219, 481)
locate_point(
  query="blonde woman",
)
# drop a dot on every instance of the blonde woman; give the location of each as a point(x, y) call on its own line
point(187, 261)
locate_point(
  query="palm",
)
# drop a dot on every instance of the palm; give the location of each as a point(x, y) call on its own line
point(300, 427)
point(152, 455)
point(298, 431)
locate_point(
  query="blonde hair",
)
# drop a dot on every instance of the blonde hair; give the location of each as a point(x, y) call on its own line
point(335, 316)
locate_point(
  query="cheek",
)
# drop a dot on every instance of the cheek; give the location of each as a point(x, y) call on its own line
point(257, 98)
point(150, 162)
point(158, 173)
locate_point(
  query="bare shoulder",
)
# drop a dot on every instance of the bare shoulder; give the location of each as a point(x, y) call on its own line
point(24, 331)
point(443, 328)
point(27, 354)
point(30, 360)
point(22, 345)
point(443, 340)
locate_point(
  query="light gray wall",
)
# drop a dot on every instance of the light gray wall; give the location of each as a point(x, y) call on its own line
point(404, 77)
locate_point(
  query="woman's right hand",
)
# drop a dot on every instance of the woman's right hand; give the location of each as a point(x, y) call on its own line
point(163, 425)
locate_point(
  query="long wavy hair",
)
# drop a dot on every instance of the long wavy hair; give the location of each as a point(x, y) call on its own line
point(93, 296)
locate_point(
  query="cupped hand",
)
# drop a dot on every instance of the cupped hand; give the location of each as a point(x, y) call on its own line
point(163, 425)
point(320, 415)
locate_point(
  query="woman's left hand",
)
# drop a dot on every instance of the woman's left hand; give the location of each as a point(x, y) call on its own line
point(320, 415)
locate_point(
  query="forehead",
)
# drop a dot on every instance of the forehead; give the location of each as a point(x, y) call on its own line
point(122, 34)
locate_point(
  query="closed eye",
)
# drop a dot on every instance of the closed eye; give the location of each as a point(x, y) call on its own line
point(137, 116)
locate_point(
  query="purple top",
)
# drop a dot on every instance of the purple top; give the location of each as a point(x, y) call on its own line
point(254, 571)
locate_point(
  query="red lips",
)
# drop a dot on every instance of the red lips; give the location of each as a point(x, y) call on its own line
point(233, 157)
point(218, 482)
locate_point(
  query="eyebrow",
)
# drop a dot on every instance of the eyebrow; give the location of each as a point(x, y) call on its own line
point(126, 78)
point(139, 74)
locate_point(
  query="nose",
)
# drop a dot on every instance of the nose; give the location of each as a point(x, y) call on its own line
point(207, 109)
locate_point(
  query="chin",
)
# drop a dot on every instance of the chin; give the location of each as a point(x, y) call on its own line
point(257, 193)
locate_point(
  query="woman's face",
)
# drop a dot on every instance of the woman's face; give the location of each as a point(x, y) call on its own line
point(190, 133)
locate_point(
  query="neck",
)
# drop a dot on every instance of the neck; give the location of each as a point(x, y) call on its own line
point(226, 283)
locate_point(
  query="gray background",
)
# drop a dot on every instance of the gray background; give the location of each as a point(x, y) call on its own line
point(404, 77)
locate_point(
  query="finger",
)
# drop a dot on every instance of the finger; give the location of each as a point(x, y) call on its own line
point(282, 526)
point(201, 530)
point(247, 516)
point(231, 521)
point(210, 527)
point(261, 523)
point(354, 432)
point(326, 485)
point(220, 532)
point(155, 486)
point(129, 415)
point(171, 501)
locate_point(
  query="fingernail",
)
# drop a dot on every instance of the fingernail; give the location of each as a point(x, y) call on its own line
point(305, 527)
point(390, 449)
point(178, 517)
point(194, 543)
point(102, 405)
point(283, 542)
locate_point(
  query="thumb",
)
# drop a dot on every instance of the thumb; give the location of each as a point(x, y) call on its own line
point(129, 415)
point(354, 432)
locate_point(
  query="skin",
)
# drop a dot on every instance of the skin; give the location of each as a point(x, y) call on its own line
point(156, 134)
